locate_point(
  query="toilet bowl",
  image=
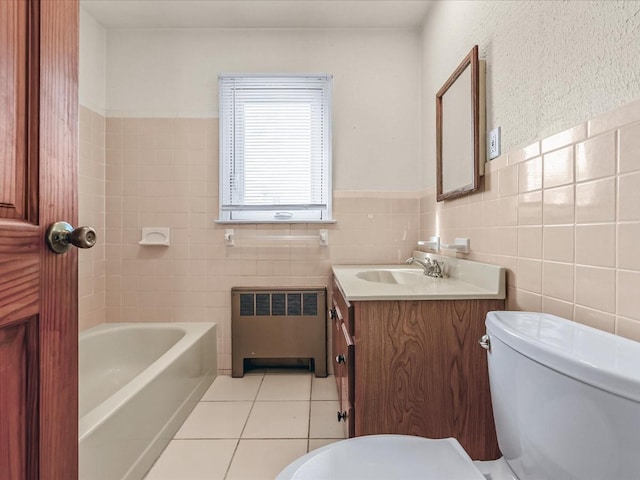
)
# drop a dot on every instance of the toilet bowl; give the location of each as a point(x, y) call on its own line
point(566, 402)
point(398, 457)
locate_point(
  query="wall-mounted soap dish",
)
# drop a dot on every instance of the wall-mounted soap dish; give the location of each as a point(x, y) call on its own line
point(155, 236)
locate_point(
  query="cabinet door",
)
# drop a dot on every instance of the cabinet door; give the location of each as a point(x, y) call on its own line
point(343, 307)
point(345, 359)
point(336, 350)
point(420, 371)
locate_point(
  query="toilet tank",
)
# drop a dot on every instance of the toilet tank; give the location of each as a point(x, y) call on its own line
point(566, 398)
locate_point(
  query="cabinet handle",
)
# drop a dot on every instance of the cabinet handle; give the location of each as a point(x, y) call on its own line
point(333, 314)
point(342, 416)
point(340, 359)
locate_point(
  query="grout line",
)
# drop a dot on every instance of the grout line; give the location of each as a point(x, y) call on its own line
point(310, 404)
point(243, 427)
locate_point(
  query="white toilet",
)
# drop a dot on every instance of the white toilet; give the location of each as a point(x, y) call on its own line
point(566, 401)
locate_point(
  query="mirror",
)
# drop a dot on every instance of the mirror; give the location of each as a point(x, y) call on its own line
point(460, 135)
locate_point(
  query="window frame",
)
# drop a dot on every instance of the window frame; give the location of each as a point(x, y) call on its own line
point(296, 213)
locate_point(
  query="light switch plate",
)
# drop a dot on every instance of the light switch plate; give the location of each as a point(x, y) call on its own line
point(494, 143)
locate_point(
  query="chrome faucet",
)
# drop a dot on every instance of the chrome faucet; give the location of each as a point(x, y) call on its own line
point(432, 268)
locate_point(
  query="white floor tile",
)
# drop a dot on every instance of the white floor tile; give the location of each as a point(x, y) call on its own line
point(324, 421)
point(324, 388)
point(225, 388)
point(193, 460)
point(285, 387)
point(264, 459)
point(278, 420)
point(215, 420)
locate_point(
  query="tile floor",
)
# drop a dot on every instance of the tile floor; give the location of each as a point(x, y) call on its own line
point(252, 427)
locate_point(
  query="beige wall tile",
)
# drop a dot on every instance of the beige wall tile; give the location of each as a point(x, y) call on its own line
point(508, 240)
point(91, 202)
point(491, 186)
point(596, 157)
point(165, 170)
point(628, 327)
point(596, 245)
point(558, 205)
point(525, 301)
point(627, 294)
point(530, 242)
point(557, 307)
point(508, 178)
point(596, 201)
point(558, 243)
point(530, 175)
point(492, 213)
point(629, 197)
point(557, 280)
point(596, 288)
point(558, 168)
point(530, 208)
point(564, 138)
point(508, 207)
point(627, 248)
point(629, 148)
point(595, 318)
point(530, 275)
point(525, 153)
point(497, 163)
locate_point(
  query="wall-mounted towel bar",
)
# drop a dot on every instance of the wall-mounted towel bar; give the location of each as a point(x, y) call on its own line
point(273, 239)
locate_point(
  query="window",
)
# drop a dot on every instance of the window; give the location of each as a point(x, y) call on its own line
point(275, 148)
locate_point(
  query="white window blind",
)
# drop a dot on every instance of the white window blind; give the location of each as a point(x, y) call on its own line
point(275, 148)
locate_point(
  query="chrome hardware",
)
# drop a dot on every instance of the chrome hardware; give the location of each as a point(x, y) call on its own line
point(340, 359)
point(342, 416)
point(432, 268)
point(485, 342)
point(333, 314)
point(61, 236)
point(437, 268)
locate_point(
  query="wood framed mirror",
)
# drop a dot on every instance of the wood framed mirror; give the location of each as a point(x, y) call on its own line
point(460, 130)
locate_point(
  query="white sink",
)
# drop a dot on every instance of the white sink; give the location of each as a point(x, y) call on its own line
point(404, 276)
point(463, 280)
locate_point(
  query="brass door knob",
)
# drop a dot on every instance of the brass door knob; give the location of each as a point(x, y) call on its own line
point(61, 236)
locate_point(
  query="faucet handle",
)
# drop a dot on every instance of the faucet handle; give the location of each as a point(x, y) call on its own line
point(409, 260)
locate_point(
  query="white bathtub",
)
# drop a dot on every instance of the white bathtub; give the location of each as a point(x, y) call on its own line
point(137, 384)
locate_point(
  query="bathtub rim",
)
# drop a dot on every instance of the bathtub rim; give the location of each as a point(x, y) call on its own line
point(193, 331)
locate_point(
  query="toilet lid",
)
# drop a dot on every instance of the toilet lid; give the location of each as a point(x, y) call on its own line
point(385, 457)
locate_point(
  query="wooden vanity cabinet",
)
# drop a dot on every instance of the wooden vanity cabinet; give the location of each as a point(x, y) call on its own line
point(343, 361)
point(415, 368)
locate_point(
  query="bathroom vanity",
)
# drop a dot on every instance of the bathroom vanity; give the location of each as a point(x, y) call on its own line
point(406, 352)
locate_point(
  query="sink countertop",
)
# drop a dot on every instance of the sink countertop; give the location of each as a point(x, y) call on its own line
point(466, 280)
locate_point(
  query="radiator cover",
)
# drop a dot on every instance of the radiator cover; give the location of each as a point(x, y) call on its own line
point(278, 323)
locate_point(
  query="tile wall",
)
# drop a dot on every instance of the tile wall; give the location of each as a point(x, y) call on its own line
point(563, 216)
point(91, 199)
point(164, 173)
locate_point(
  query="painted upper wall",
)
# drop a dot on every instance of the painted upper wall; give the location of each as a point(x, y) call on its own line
point(93, 41)
point(550, 65)
point(376, 111)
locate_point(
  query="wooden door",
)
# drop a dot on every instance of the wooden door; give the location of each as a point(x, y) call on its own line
point(38, 289)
